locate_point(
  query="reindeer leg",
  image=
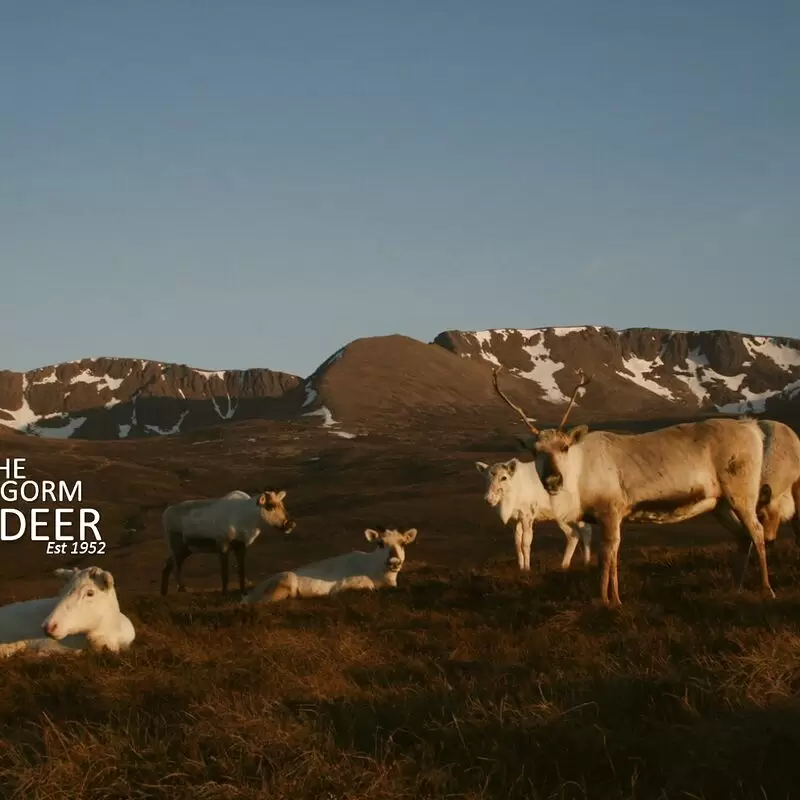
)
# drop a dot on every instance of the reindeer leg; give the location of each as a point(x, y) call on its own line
point(527, 541)
point(223, 568)
point(586, 541)
point(612, 537)
point(239, 553)
point(744, 546)
point(771, 523)
point(273, 589)
point(165, 573)
point(756, 531)
point(744, 543)
point(572, 542)
point(518, 537)
point(355, 583)
point(796, 517)
point(176, 547)
point(179, 559)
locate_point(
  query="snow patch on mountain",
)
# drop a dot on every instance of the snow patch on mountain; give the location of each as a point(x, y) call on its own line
point(25, 420)
point(782, 355)
point(543, 370)
point(61, 432)
point(228, 414)
point(208, 374)
point(311, 395)
point(176, 428)
point(484, 339)
point(102, 381)
point(329, 422)
point(637, 367)
point(572, 329)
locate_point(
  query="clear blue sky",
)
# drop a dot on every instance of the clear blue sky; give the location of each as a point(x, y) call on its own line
point(233, 184)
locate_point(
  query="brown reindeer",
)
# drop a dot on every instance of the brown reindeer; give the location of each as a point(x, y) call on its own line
point(780, 487)
point(663, 476)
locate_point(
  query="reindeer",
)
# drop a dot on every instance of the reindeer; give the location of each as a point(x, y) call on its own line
point(219, 525)
point(353, 571)
point(663, 476)
point(513, 488)
point(780, 487)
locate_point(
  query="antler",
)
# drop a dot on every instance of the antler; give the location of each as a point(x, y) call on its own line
point(519, 411)
point(585, 381)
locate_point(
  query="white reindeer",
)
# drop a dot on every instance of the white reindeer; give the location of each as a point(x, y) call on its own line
point(85, 614)
point(219, 525)
point(663, 476)
point(514, 489)
point(350, 571)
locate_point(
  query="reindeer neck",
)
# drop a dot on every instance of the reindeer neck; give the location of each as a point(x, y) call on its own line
point(114, 630)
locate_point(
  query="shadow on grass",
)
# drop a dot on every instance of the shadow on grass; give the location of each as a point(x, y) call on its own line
point(621, 738)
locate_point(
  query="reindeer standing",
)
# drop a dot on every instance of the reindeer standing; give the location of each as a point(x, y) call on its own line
point(662, 476)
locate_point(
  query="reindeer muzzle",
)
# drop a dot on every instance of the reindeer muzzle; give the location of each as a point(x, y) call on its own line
point(553, 484)
point(289, 526)
point(50, 629)
point(394, 564)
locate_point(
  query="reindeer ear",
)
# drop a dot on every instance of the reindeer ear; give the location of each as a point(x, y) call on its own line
point(512, 466)
point(371, 535)
point(481, 466)
point(104, 580)
point(409, 535)
point(65, 573)
point(280, 495)
point(262, 499)
point(578, 433)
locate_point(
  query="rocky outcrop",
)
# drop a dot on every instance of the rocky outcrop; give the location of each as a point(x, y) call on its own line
point(111, 398)
point(641, 371)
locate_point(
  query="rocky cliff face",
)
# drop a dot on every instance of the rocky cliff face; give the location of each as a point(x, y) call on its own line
point(642, 371)
point(112, 398)
point(381, 383)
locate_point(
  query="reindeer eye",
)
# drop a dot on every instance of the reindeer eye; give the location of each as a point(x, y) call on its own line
point(90, 593)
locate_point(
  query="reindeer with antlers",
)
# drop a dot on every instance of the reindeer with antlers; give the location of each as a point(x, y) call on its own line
point(513, 488)
point(662, 476)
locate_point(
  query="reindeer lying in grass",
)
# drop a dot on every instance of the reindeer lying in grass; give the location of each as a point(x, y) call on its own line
point(514, 489)
point(85, 614)
point(350, 571)
point(663, 476)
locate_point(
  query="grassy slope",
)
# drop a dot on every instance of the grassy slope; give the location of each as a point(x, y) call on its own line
point(470, 680)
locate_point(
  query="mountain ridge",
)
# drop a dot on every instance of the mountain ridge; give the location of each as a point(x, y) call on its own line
point(387, 382)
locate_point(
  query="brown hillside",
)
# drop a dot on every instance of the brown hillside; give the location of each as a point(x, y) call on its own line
point(388, 383)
